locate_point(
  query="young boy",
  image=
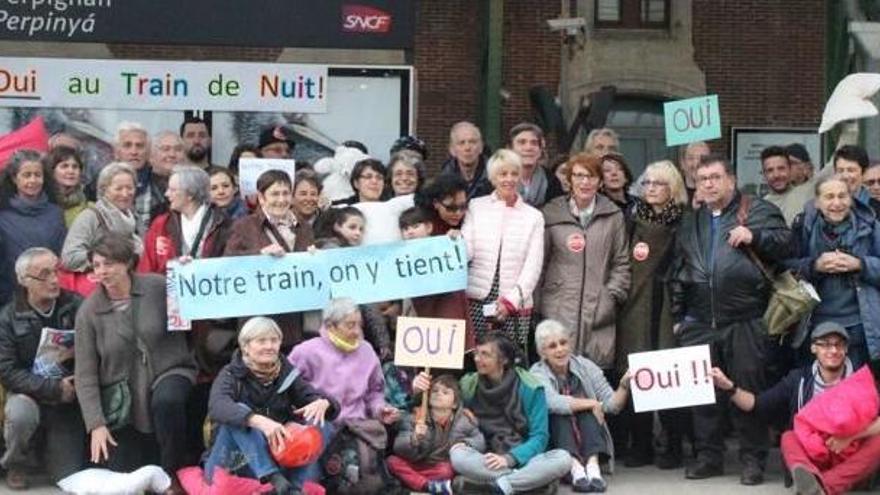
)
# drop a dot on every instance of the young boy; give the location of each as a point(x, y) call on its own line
point(421, 449)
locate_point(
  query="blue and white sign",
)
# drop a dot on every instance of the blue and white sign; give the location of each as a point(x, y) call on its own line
point(694, 119)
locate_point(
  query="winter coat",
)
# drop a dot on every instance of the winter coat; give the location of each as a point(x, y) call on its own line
point(167, 226)
point(479, 186)
point(732, 288)
point(645, 322)
point(534, 409)
point(867, 280)
point(106, 343)
point(788, 396)
point(354, 378)
point(237, 394)
point(20, 331)
point(25, 224)
point(90, 225)
point(492, 230)
point(586, 275)
point(434, 447)
point(247, 237)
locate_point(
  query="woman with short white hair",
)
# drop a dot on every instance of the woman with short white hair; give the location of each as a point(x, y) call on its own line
point(578, 397)
point(252, 399)
point(505, 245)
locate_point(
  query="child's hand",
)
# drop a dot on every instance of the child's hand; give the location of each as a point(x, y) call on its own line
point(420, 431)
point(453, 234)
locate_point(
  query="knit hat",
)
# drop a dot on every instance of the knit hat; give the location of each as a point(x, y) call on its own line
point(798, 151)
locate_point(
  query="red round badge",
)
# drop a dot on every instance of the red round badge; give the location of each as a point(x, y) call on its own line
point(641, 251)
point(576, 242)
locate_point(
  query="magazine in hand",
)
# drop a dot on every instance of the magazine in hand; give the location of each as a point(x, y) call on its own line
point(54, 357)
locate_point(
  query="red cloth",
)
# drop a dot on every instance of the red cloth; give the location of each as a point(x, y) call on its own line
point(840, 477)
point(416, 476)
point(32, 136)
point(193, 481)
point(83, 283)
point(841, 411)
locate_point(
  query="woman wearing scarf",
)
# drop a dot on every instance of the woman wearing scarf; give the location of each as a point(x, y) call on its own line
point(273, 230)
point(511, 409)
point(28, 217)
point(67, 167)
point(537, 186)
point(252, 399)
point(645, 323)
point(114, 212)
point(837, 249)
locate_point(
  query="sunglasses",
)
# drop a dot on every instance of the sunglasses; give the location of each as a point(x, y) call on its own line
point(454, 208)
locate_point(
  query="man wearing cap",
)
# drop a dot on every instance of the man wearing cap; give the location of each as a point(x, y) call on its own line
point(276, 142)
point(801, 165)
point(791, 394)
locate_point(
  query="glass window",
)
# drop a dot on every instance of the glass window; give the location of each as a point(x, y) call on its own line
point(632, 14)
point(608, 10)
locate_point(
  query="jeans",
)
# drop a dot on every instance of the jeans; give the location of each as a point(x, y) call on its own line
point(541, 470)
point(587, 441)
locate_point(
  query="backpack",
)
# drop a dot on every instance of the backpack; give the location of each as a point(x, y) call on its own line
point(354, 462)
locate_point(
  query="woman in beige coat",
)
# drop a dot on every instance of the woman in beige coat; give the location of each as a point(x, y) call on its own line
point(586, 262)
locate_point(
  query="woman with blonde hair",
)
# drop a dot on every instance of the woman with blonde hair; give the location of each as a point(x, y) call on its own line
point(645, 322)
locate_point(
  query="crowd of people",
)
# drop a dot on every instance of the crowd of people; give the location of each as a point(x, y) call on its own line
point(574, 263)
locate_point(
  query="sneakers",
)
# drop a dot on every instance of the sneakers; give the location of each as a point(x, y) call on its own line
point(703, 469)
point(440, 487)
point(462, 485)
point(589, 485)
point(16, 480)
point(805, 482)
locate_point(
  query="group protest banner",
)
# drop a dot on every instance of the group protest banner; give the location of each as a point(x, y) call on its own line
point(163, 85)
point(671, 378)
point(260, 285)
point(250, 169)
point(429, 342)
point(693, 119)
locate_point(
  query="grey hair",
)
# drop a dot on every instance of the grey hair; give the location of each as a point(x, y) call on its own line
point(164, 134)
point(255, 328)
point(338, 309)
point(194, 182)
point(126, 126)
point(463, 125)
point(548, 329)
point(595, 133)
point(110, 171)
point(24, 260)
point(501, 158)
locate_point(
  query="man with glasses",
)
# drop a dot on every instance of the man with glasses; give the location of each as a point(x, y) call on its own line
point(871, 181)
point(778, 172)
point(40, 395)
point(791, 394)
point(719, 297)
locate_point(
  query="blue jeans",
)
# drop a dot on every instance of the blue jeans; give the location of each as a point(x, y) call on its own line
point(245, 451)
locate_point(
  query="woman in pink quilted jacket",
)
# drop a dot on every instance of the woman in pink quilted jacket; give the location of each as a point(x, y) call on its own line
point(505, 245)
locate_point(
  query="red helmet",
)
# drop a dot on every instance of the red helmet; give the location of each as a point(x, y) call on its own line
point(303, 446)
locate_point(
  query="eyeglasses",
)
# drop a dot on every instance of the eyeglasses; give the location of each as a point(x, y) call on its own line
point(454, 208)
point(825, 345)
point(872, 182)
point(710, 178)
point(583, 177)
point(647, 183)
point(44, 276)
point(559, 343)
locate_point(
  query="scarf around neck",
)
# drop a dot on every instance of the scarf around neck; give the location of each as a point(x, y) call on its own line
point(343, 345)
point(265, 373)
point(536, 191)
point(71, 199)
point(116, 220)
point(670, 214)
point(831, 237)
point(499, 410)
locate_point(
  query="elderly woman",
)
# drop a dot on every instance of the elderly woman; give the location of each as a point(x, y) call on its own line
point(252, 399)
point(586, 274)
point(273, 230)
point(368, 181)
point(578, 396)
point(602, 141)
point(114, 212)
point(28, 216)
point(837, 249)
point(645, 322)
point(616, 178)
point(505, 245)
point(306, 197)
point(511, 408)
point(133, 377)
point(406, 172)
point(445, 200)
point(67, 166)
point(194, 228)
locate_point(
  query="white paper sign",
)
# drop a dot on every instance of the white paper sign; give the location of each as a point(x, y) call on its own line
point(250, 169)
point(429, 342)
point(671, 378)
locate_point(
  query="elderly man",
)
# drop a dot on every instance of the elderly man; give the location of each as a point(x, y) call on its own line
point(791, 394)
point(719, 297)
point(196, 137)
point(168, 152)
point(133, 147)
point(466, 159)
point(40, 394)
point(536, 185)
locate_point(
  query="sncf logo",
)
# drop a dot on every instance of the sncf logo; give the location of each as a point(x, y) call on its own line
point(364, 19)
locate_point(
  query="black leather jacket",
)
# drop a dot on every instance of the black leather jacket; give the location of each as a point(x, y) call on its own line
point(729, 287)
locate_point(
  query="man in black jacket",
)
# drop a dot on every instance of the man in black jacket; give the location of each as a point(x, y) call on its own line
point(791, 394)
point(466, 159)
point(719, 296)
point(38, 396)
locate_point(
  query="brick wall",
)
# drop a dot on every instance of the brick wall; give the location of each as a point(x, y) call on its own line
point(765, 60)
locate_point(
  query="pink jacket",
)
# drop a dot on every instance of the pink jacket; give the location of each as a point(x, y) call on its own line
point(516, 233)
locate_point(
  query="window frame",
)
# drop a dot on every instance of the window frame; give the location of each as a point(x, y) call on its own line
point(630, 15)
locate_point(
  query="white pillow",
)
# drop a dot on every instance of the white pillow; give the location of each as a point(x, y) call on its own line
point(106, 482)
point(851, 100)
